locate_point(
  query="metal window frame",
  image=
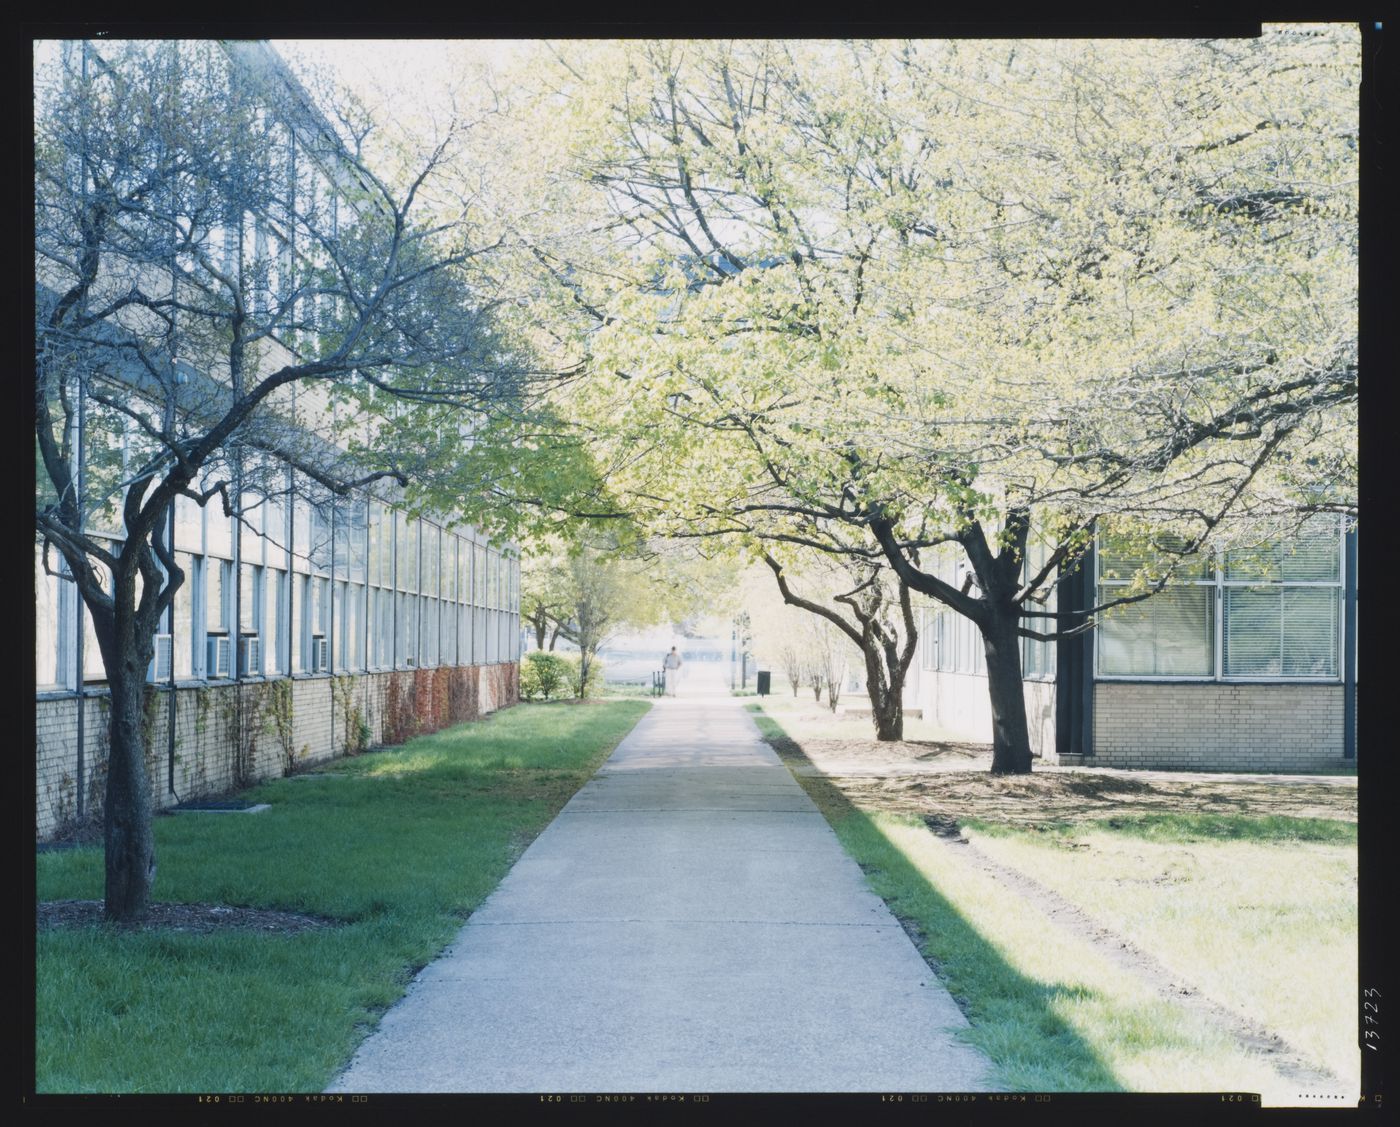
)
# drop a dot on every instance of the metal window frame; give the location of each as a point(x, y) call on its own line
point(1219, 583)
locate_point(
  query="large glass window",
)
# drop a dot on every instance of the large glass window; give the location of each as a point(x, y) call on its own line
point(1168, 635)
point(1279, 608)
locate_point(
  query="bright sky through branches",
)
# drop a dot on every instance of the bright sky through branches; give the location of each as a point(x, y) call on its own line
point(411, 69)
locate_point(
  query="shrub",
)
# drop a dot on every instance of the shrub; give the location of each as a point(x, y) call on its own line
point(542, 674)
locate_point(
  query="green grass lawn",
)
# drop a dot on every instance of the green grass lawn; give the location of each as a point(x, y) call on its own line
point(1243, 907)
point(398, 846)
point(1260, 914)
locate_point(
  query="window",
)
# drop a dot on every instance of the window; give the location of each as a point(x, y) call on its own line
point(1279, 609)
point(318, 548)
point(297, 648)
point(183, 641)
point(275, 530)
point(189, 525)
point(448, 654)
point(48, 672)
point(1037, 657)
point(249, 598)
point(301, 534)
point(1168, 635)
point(432, 549)
point(406, 630)
point(252, 513)
point(216, 596)
point(376, 533)
point(320, 607)
point(384, 634)
point(218, 528)
point(406, 578)
point(928, 639)
point(350, 542)
point(274, 639)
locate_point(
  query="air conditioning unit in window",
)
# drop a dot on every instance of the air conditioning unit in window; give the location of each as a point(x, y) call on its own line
point(320, 655)
point(249, 655)
point(216, 663)
point(160, 664)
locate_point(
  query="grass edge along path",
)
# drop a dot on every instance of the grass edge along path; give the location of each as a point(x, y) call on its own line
point(1050, 1012)
point(397, 846)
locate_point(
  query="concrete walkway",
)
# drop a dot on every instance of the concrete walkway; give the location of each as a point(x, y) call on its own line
point(688, 923)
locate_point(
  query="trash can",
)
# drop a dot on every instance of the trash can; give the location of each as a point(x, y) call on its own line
point(765, 682)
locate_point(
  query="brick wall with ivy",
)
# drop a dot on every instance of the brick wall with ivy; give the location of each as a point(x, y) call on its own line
point(228, 736)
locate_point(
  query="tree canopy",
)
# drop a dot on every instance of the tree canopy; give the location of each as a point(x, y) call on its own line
point(959, 292)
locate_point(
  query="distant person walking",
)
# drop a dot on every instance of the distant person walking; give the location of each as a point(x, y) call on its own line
point(672, 665)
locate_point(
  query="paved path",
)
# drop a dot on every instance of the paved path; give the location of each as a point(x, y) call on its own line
point(689, 922)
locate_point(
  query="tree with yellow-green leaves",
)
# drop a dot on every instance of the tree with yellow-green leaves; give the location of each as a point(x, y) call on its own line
point(990, 298)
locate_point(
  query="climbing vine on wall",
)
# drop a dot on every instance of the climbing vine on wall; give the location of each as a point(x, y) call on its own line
point(462, 696)
point(279, 720)
point(400, 721)
point(357, 733)
point(252, 724)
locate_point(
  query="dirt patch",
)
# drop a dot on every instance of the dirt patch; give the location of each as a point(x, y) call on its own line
point(953, 781)
point(201, 919)
point(1051, 796)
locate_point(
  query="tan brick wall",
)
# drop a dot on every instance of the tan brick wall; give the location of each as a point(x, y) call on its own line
point(1223, 727)
point(230, 736)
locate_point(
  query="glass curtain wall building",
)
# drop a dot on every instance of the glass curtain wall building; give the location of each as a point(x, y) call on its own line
point(386, 622)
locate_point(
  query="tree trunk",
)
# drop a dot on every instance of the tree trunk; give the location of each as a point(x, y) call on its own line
point(128, 835)
point(885, 687)
point(1011, 744)
point(886, 699)
point(585, 666)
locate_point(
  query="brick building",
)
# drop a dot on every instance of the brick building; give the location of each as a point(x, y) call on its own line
point(1245, 663)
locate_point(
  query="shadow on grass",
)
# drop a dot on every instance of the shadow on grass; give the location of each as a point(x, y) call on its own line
point(1015, 1020)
